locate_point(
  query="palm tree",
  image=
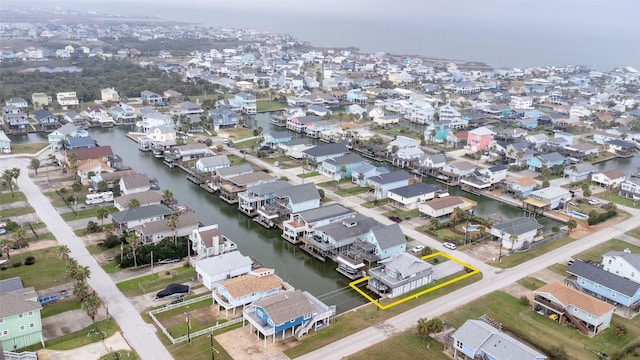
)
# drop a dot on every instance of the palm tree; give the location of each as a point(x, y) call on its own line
point(5, 245)
point(172, 224)
point(134, 203)
point(71, 268)
point(82, 273)
point(80, 290)
point(35, 165)
point(19, 240)
point(101, 214)
point(15, 172)
point(90, 304)
point(63, 252)
point(572, 224)
point(167, 197)
point(513, 238)
point(132, 238)
point(7, 176)
point(76, 187)
point(421, 327)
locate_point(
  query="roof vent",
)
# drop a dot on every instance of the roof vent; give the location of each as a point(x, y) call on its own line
point(349, 223)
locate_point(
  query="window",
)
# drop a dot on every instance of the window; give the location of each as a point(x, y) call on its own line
point(20, 316)
point(32, 325)
point(609, 261)
point(30, 313)
point(459, 344)
point(22, 327)
point(5, 332)
point(583, 282)
point(292, 321)
point(1, 321)
point(613, 294)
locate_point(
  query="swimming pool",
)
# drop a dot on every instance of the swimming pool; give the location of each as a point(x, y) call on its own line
point(473, 228)
point(578, 215)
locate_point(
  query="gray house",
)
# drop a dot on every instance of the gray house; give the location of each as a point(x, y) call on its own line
point(125, 220)
point(381, 184)
point(476, 339)
point(399, 274)
point(302, 224)
point(579, 172)
point(317, 154)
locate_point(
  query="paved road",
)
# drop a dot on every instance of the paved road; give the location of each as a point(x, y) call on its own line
point(140, 335)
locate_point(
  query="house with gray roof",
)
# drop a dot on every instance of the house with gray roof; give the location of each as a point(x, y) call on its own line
point(125, 220)
point(5, 143)
point(598, 282)
point(382, 183)
point(20, 322)
point(153, 232)
point(549, 160)
point(224, 266)
point(231, 187)
point(151, 197)
point(516, 233)
point(410, 196)
point(212, 163)
point(360, 174)
point(630, 188)
point(302, 224)
point(340, 167)
point(257, 195)
point(399, 274)
point(552, 197)
point(476, 339)
point(332, 239)
point(11, 284)
point(622, 263)
point(299, 311)
point(134, 183)
point(235, 170)
point(580, 171)
point(285, 201)
point(322, 152)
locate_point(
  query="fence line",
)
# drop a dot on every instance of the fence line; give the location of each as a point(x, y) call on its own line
point(184, 338)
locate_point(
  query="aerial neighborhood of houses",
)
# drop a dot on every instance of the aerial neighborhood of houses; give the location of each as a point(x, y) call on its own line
point(363, 159)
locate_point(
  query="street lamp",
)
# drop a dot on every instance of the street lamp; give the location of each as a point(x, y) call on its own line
point(188, 327)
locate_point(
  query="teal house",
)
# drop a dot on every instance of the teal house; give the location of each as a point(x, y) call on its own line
point(20, 323)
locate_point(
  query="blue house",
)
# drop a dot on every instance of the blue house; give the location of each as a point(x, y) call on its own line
point(341, 167)
point(84, 142)
point(360, 174)
point(605, 285)
point(381, 184)
point(56, 138)
point(150, 97)
point(319, 153)
point(274, 138)
point(17, 102)
point(550, 160)
point(290, 310)
point(477, 339)
point(222, 118)
point(356, 96)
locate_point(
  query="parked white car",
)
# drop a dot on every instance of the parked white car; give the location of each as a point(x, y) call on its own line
point(417, 249)
point(450, 245)
point(594, 202)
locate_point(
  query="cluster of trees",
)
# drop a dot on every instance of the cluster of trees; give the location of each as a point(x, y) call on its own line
point(136, 254)
point(426, 327)
point(89, 300)
point(595, 217)
point(18, 241)
point(9, 176)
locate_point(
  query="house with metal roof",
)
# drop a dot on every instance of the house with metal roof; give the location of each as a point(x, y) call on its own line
point(302, 223)
point(399, 274)
point(516, 233)
point(232, 186)
point(214, 269)
point(340, 167)
point(248, 288)
point(210, 164)
point(285, 201)
point(360, 174)
point(622, 263)
point(588, 314)
point(579, 172)
point(552, 197)
point(153, 232)
point(297, 311)
point(20, 322)
point(125, 220)
point(135, 183)
point(206, 241)
point(444, 208)
point(476, 339)
point(322, 152)
point(410, 196)
point(598, 282)
point(332, 239)
point(382, 183)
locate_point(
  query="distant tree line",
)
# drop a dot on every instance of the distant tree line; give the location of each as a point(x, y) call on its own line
point(127, 78)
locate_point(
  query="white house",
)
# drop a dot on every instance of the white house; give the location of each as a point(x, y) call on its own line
point(207, 241)
point(134, 183)
point(516, 233)
point(610, 179)
point(225, 266)
point(622, 263)
point(521, 102)
point(212, 163)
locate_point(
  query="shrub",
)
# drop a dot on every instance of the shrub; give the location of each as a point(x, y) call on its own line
point(555, 229)
point(16, 264)
point(12, 226)
point(111, 241)
point(70, 199)
point(3, 268)
point(92, 227)
point(63, 190)
point(30, 260)
point(524, 300)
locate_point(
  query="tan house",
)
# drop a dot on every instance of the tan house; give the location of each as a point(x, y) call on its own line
point(75, 160)
point(444, 208)
point(109, 95)
point(40, 99)
point(610, 179)
point(151, 197)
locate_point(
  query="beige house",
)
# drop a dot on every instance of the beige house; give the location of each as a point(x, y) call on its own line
point(610, 179)
point(109, 94)
point(443, 208)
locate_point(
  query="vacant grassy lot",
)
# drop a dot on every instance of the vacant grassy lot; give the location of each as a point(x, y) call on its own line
point(47, 271)
point(635, 233)
point(365, 316)
point(237, 133)
point(352, 191)
point(87, 213)
point(408, 345)
point(269, 105)
point(7, 198)
point(79, 338)
point(520, 257)
point(155, 282)
point(539, 331)
point(621, 200)
point(531, 283)
point(59, 307)
point(10, 213)
point(28, 148)
point(595, 253)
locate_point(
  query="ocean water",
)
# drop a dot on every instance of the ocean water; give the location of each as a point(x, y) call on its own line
point(597, 33)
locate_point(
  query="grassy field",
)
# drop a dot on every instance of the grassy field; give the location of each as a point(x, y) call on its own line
point(621, 200)
point(79, 338)
point(59, 307)
point(539, 331)
point(531, 283)
point(595, 253)
point(181, 329)
point(47, 271)
point(408, 345)
point(7, 198)
point(375, 203)
point(309, 174)
point(352, 191)
point(635, 233)
point(155, 282)
point(269, 105)
point(9, 213)
point(238, 133)
point(520, 257)
point(29, 148)
point(87, 213)
point(365, 316)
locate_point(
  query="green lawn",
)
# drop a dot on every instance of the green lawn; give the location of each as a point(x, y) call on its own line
point(269, 105)
point(539, 331)
point(621, 200)
point(87, 213)
point(238, 133)
point(46, 272)
point(155, 282)
point(79, 338)
point(520, 257)
point(181, 329)
point(28, 148)
point(10, 213)
point(531, 283)
point(352, 191)
point(596, 252)
point(309, 174)
point(7, 198)
point(59, 307)
point(375, 203)
point(365, 316)
point(408, 345)
point(635, 232)
point(403, 214)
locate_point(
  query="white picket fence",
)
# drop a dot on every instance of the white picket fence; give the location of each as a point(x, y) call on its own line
point(25, 355)
point(194, 334)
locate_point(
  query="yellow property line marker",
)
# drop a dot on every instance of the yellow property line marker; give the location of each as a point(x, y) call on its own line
point(473, 271)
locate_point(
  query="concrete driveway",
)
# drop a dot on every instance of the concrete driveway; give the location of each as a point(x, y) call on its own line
point(96, 350)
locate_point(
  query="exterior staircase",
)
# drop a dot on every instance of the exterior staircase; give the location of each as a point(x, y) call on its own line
point(578, 324)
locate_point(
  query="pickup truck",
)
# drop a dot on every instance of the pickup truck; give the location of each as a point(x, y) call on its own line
point(47, 299)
